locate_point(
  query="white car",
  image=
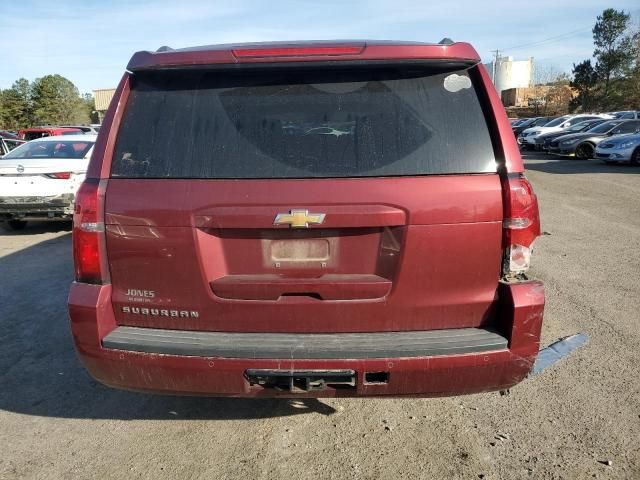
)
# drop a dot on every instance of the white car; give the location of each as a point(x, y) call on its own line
point(39, 179)
point(528, 136)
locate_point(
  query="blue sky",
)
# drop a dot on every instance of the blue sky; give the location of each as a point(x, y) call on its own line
point(90, 42)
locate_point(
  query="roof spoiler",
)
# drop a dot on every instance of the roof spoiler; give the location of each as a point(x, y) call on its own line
point(304, 53)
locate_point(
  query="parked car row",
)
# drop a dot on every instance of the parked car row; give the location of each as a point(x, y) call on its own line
point(579, 136)
point(582, 145)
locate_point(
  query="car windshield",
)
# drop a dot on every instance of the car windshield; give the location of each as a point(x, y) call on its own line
point(50, 149)
point(526, 122)
point(541, 121)
point(583, 126)
point(604, 127)
point(556, 122)
point(578, 127)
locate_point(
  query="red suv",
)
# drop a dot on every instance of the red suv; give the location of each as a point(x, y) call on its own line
point(309, 219)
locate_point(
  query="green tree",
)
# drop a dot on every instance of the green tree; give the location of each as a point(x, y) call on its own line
point(90, 105)
point(56, 100)
point(558, 96)
point(584, 82)
point(615, 46)
point(15, 105)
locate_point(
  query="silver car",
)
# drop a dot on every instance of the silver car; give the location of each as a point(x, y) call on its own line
point(624, 148)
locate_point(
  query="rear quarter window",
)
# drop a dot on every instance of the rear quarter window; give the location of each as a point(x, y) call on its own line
point(303, 124)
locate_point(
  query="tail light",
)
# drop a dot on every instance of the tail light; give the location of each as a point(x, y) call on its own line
point(298, 51)
point(89, 250)
point(521, 224)
point(59, 175)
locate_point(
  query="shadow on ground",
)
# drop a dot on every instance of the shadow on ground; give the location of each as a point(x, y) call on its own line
point(40, 374)
point(542, 162)
point(36, 228)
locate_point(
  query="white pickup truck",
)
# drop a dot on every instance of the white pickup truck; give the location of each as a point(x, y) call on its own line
point(39, 179)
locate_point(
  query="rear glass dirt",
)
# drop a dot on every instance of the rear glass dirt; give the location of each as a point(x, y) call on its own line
point(302, 124)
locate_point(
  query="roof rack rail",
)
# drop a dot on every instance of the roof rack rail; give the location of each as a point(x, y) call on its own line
point(164, 48)
point(445, 41)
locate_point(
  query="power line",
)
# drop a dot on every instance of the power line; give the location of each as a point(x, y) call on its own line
point(550, 39)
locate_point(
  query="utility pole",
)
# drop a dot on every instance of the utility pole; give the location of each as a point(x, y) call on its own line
point(495, 61)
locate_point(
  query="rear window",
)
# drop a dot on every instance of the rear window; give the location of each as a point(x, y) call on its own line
point(34, 135)
point(303, 124)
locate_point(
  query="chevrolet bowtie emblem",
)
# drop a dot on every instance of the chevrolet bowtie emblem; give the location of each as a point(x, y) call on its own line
point(299, 218)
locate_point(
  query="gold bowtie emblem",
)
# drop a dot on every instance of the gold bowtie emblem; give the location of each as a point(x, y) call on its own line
point(299, 218)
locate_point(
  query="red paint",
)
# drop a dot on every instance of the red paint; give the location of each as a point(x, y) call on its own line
point(510, 151)
point(92, 318)
point(221, 54)
point(432, 228)
point(326, 287)
point(410, 253)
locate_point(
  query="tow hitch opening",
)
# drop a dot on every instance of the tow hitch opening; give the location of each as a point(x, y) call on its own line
point(301, 380)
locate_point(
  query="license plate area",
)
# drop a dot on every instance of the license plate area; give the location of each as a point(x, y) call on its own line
point(301, 381)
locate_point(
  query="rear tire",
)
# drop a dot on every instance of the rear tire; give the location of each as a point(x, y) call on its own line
point(14, 225)
point(635, 158)
point(584, 151)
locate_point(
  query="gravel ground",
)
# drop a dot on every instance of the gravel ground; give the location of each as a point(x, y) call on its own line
point(567, 423)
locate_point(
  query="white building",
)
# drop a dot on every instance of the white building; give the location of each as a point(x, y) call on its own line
point(508, 73)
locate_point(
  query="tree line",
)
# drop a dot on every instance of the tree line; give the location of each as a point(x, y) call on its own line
point(612, 81)
point(51, 99)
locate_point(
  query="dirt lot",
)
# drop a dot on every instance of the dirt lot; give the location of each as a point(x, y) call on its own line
point(55, 422)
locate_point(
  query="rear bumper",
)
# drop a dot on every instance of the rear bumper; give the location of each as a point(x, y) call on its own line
point(58, 205)
point(496, 361)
